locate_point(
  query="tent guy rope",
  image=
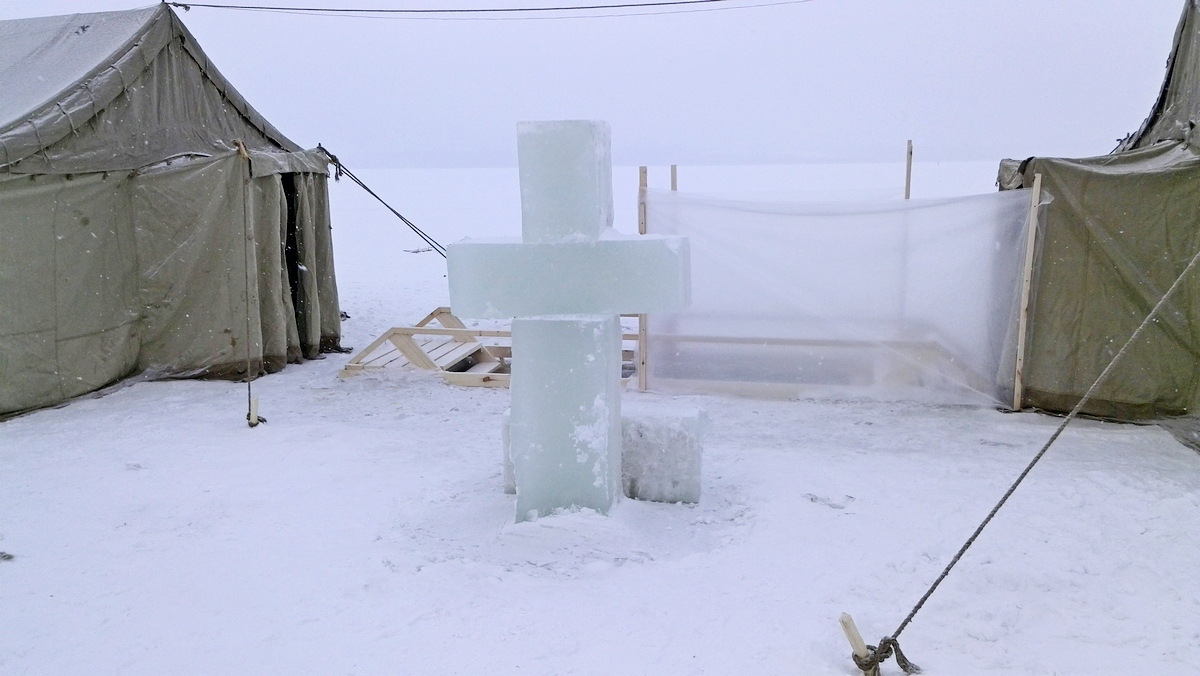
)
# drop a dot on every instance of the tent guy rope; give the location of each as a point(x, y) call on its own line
point(877, 654)
point(340, 170)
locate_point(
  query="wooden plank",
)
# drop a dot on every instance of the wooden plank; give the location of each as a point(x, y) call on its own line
point(448, 320)
point(366, 351)
point(484, 367)
point(416, 356)
point(464, 379)
point(439, 350)
point(436, 331)
point(643, 341)
point(382, 355)
point(455, 356)
point(803, 342)
point(642, 185)
point(431, 316)
point(1035, 199)
point(643, 338)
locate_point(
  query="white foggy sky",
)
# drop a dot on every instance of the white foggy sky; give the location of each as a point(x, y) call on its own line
point(825, 80)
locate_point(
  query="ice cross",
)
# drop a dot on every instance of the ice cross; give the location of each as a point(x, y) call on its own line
point(565, 283)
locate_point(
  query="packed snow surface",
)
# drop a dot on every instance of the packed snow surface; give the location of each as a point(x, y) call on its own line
point(364, 528)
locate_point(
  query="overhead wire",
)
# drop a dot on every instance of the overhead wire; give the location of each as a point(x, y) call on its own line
point(528, 13)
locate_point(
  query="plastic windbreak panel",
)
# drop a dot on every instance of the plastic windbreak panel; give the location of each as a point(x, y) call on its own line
point(910, 300)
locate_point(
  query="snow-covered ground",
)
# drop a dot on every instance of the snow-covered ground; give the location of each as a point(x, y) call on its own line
point(363, 529)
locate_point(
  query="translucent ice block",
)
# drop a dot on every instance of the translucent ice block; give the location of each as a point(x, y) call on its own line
point(661, 452)
point(661, 449)
point(565, 430)
point(508, 278)
point(566, 180)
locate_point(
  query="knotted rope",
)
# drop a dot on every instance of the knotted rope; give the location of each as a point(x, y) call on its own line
point(876, 655)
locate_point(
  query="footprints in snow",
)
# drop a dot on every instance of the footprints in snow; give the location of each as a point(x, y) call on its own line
point(829, 502)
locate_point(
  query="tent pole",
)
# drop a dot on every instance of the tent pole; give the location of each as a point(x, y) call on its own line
point(252, 417)
point(643, 330)
point(1026, 284)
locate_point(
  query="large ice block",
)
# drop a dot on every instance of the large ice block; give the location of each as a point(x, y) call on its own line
point(565, 430)
point(661, 449)
point(500, 278)
point(566, 180)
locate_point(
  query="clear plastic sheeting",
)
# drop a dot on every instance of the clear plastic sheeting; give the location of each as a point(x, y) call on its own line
point(908, 300)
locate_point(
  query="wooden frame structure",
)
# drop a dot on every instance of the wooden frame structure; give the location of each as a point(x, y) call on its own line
point(449, 347)
point(454, 350)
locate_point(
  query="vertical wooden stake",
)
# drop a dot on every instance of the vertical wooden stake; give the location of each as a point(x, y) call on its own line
point(857, 644)
point(642, 185)
point(1035, 199)
point(643, 329)
point(252, 418)
point(908, 172)
point(674, 178)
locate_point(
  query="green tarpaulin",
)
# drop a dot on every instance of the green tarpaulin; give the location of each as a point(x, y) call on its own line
point(1118, 232)
point(136, 236)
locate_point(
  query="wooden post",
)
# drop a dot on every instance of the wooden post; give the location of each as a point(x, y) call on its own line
point(857, 644)
point(643, 330)
point(1026, 283)
point(674, 178)
point(908, 172)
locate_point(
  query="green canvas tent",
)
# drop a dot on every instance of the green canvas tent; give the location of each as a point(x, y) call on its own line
point(151, 221)
point(1119, 230)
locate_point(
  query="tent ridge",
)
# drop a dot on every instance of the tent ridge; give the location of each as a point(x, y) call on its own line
point(57, 123)
point(83, 101)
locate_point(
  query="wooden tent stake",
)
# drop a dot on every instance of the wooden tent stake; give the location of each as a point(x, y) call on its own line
point(1026, 283)
point(253, 418)
point(857, 644)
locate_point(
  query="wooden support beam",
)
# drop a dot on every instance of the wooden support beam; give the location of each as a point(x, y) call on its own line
point(642, 185)
point(643, 338)
point(1035, 199)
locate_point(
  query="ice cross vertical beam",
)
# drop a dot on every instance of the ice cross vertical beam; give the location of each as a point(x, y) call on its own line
point(565, 283)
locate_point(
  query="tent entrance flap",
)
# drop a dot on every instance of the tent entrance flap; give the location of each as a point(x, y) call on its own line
point(291, 251)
